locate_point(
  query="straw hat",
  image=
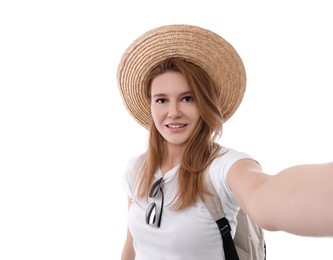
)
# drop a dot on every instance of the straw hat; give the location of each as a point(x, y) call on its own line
point(191, 43)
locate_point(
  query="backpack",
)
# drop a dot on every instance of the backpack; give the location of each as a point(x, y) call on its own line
point(248, 243)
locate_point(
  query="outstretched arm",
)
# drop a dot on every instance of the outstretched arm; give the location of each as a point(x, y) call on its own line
point(297, 200)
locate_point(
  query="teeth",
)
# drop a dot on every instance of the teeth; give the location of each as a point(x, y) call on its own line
point(176, 126)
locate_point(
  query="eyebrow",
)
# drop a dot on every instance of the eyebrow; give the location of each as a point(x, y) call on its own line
point(181, 94)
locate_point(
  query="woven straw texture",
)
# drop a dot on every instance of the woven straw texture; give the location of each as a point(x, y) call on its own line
point(195, 44)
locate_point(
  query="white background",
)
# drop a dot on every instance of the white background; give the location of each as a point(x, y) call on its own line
point(66, 136)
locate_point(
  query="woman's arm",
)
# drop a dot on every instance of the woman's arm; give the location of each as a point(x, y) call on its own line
point(128, 249)
point(297, 200)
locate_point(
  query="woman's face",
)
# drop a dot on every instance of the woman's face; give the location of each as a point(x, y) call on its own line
point(173, 107)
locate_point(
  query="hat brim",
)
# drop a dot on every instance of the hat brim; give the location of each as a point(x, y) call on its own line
point(191, 43)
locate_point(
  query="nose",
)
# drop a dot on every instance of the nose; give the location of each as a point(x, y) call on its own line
point(174, 110)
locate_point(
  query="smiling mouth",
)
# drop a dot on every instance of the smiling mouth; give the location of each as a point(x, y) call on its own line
point(176, 126)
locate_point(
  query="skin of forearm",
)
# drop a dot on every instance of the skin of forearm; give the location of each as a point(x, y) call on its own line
point(297, 200)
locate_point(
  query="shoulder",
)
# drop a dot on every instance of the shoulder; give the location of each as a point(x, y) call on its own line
point(226, 159)
point(219, 170)
point(244, 177)
point(132, 169)
point(224, 165)
point(134, 161)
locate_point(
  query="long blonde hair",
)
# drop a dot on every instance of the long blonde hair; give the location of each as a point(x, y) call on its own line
point(201, 147)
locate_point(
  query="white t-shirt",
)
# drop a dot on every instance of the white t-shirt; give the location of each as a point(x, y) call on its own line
point(189, 234)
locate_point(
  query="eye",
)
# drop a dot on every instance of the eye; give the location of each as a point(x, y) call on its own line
point(161, 100)
point(187, 99)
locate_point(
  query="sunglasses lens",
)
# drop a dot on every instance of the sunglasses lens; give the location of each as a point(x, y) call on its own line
point(151, 214)
point(154, 210)
point(154, 189)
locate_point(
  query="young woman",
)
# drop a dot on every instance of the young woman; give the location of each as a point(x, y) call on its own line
point(182, 83)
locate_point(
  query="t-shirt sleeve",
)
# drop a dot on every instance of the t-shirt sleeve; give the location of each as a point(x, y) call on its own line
point(127, 181)
point(219, 171)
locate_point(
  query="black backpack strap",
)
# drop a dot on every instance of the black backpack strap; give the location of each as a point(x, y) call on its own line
point(214, 206)
point(229, 248)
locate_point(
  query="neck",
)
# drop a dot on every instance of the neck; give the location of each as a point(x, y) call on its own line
point(172, 157)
